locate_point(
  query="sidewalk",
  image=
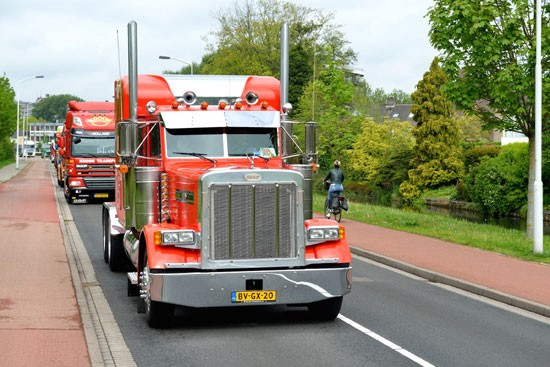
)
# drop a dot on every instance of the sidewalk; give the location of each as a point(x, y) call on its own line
point(41, 323)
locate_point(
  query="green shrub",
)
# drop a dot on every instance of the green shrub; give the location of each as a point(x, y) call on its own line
point(6, 149)
point(499, 184)
point(473, 156)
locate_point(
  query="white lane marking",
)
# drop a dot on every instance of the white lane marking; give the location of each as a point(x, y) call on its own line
point(386, 342)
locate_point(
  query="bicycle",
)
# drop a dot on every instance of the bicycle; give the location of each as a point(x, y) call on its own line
point(338, 204)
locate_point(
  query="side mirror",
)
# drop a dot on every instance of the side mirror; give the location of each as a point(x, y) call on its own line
point(126, 133)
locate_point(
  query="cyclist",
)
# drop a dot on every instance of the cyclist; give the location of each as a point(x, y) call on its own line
point(335, 177)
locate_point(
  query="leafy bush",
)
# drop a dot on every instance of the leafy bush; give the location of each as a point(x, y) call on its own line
point(499, 184)
point(473, 156)
point(6, 149)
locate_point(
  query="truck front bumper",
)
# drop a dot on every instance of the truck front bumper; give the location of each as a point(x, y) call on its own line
point(293, 286)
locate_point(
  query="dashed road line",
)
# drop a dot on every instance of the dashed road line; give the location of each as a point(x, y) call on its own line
point(386, 342)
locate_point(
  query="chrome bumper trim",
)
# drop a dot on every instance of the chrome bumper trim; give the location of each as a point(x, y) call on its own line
point(213, 289)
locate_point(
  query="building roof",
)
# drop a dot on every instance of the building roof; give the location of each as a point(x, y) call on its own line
point(401, 112)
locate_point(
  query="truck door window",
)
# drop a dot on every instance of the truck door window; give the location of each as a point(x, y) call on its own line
point(150, 140)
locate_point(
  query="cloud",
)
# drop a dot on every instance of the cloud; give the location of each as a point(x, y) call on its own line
point(75, 44)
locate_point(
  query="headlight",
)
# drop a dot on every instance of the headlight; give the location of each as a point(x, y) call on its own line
point(184, 238)
point(151, 107)
point(323, 234)
point(76, 183)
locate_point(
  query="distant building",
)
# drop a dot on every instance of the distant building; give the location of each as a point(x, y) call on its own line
point(509, 137)
point(38, 131)
point(400, 112)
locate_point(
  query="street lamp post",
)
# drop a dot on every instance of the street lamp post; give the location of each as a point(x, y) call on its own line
point(538, 241)
point(173, 58)
point(17, 128)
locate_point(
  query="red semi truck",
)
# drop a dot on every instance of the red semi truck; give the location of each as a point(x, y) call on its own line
point(208, 211)
point(86, 147)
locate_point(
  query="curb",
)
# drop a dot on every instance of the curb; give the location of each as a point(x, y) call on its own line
point(106, 345)
point(436, 277)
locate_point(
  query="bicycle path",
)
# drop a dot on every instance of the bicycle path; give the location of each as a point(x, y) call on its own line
point(40, 321)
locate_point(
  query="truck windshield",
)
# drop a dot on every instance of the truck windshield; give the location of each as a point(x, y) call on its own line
point(222, 142)
point(207, 142)
point(252, 141)
point(93, 147)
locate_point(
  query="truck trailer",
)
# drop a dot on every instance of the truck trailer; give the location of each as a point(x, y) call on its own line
point(211, 207)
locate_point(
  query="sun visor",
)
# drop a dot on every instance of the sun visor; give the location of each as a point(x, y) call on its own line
point(205, 119)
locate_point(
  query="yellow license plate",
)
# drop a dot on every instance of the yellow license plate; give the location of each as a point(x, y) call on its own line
point(101, 196)
point(253, 296)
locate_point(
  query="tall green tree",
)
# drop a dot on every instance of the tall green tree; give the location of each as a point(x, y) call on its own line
point(53, 108)
point(488, 52)
point(247, 42)
point(8, 118)
point(381, 154)
point(330, 96)
point(436, 159)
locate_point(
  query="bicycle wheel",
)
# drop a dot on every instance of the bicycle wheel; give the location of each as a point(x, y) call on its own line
point(337, 214)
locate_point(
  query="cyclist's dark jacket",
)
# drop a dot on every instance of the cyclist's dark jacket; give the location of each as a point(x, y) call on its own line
point(335, 176)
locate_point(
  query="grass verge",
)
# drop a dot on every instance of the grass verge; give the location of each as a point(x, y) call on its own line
point(488, 237)
point(7, 162)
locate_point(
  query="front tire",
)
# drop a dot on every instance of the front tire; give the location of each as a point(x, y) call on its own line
point(68, 193)
point(158, 314)
point(113, 251)
point(326, 310)
point(106, 239)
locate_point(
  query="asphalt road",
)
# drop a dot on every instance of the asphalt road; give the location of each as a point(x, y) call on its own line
point(389, 319)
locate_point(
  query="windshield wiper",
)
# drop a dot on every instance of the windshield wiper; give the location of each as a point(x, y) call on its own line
point(253, 155)
point(199, 155)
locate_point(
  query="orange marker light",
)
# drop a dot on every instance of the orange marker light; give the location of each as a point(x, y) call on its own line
point(204, 105)
point(175, 105)
point(222, 105)
point(264, 105)
point(123, 168)
point(158, 238)
point(238, 105)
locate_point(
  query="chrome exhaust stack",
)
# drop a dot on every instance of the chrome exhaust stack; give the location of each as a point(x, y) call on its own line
point(132, 69)
point(285, 106)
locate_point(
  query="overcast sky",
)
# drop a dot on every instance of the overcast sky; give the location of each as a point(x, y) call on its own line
point(74, 43)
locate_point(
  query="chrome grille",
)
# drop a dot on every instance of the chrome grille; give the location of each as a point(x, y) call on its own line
point(253, 221)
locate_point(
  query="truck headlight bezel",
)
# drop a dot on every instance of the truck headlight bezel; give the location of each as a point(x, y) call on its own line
point(179, 238)
point(322, 234)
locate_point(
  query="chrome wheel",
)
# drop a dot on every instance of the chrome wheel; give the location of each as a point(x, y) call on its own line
point(157, 314)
